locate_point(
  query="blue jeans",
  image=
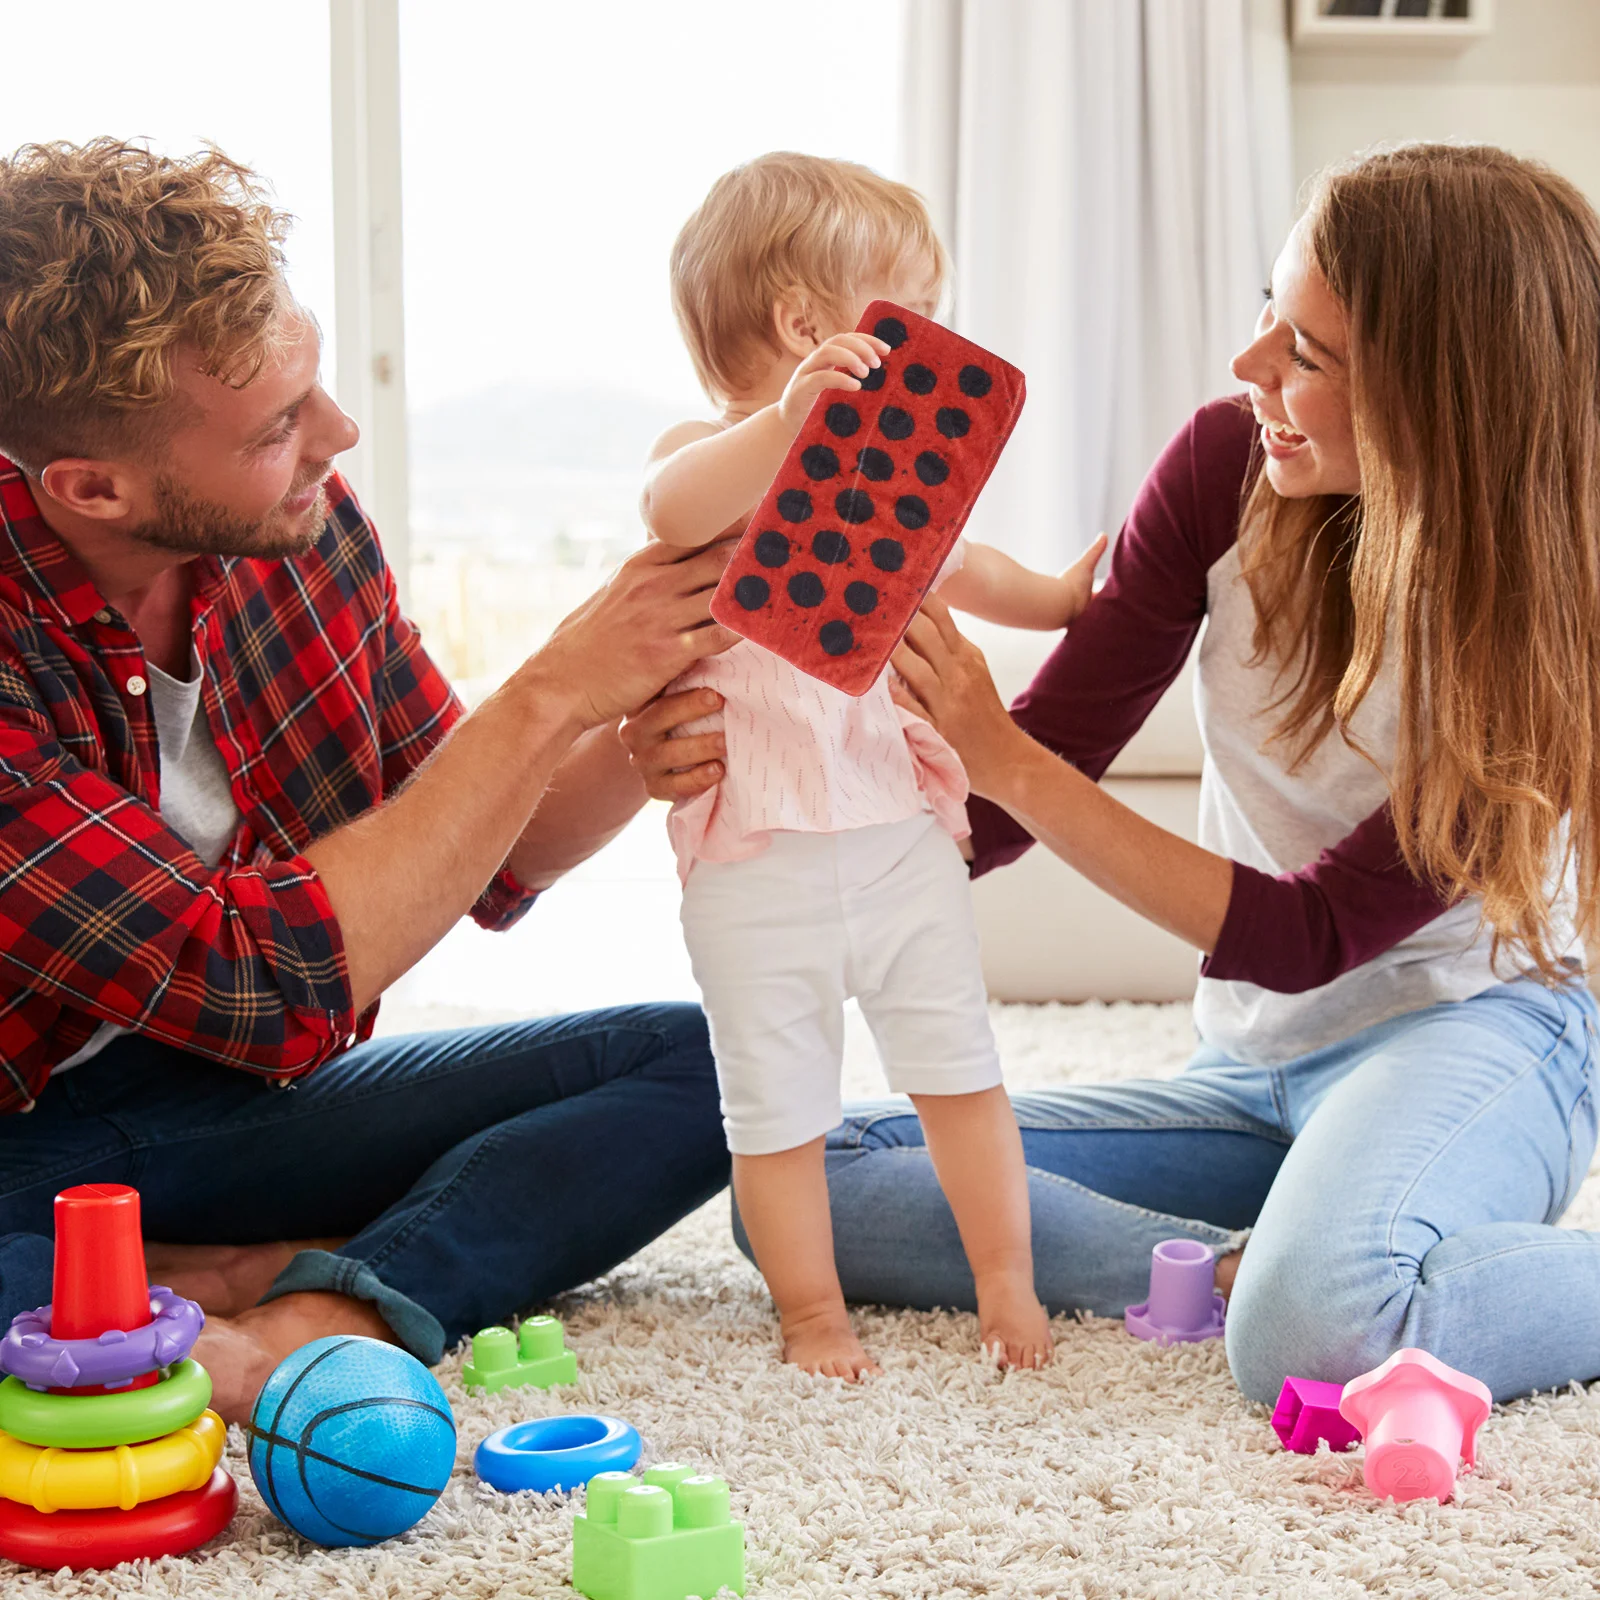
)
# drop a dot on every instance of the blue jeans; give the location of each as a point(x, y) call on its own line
point(1400, 1186)
point(476, 1171)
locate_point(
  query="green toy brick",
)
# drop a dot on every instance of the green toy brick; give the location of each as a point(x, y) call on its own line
point(665, 1538)
point(536, 1354)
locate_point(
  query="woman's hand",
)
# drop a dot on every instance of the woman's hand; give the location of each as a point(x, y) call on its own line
point(946, 681)
point(675, 768)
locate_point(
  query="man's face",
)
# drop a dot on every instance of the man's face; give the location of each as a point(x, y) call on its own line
point(243, 474)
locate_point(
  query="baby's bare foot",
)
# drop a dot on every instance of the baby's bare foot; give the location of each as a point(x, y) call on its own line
point(1012, 1325)
point(823, 1342)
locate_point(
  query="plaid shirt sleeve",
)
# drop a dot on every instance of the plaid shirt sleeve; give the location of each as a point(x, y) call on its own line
point(418, 709)
point(107, 912)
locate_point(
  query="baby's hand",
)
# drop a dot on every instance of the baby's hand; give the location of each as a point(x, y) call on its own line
point(1077, 582)
point(857, 353)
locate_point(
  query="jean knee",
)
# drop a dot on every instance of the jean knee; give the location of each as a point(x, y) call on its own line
point(1307, 1314)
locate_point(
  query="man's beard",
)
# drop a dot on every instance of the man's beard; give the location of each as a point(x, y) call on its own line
point(194, 527)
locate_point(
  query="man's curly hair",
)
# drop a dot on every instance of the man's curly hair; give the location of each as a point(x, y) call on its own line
point(111, 257)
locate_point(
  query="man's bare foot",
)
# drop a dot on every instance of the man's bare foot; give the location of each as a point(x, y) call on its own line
point(1012, 1326)
point(823, 1342)
point(240, 1352)
point(225, 1279)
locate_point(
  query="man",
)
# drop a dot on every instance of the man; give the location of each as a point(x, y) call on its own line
point(237, 801)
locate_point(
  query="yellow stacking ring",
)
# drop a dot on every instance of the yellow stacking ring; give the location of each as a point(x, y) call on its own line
point(124, 1476)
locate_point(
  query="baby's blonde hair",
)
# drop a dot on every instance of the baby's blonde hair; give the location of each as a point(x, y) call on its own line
point(786, 224)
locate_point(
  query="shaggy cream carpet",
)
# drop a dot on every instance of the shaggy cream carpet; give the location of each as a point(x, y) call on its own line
point(1121, 1470)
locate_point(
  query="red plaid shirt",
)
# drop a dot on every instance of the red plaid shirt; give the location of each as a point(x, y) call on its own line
point(321, 700)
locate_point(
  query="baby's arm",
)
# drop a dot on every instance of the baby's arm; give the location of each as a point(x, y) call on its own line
point(704, 480)
point(989, 584)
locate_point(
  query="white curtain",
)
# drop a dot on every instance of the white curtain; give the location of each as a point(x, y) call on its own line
point(1113, 177)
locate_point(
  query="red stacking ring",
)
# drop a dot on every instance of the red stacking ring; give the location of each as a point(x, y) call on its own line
point(82, 1539)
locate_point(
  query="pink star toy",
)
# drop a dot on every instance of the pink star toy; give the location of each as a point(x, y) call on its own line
point(1420, 1421)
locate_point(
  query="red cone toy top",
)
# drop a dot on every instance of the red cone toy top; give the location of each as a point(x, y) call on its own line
point(100, 1280)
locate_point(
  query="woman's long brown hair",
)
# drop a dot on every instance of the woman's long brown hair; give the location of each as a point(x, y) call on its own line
point(1472, 283)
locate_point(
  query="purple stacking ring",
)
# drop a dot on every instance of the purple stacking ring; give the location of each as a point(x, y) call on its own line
point(117, 1357)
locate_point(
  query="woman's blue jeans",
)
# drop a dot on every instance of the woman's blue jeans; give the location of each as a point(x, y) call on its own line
point(1401, 1188)
point(477, 1171)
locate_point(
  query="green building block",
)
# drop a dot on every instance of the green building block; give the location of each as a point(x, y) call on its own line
point(536, 1354)
point(663, 1539)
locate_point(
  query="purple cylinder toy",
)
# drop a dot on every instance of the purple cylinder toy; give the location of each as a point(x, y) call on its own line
point(1184, 1306)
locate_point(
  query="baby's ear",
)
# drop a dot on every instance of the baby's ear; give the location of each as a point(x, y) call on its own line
point(795, 324)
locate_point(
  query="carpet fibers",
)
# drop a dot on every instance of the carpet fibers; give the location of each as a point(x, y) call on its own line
point(1121, 1470)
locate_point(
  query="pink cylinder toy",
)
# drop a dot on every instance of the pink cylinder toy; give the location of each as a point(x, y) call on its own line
point(1184, 1306)
point(1420, 1421)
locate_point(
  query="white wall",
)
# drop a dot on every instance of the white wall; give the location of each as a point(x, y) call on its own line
point(1532, 86)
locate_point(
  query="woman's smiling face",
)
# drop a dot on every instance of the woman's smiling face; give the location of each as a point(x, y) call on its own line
point(1298, 371)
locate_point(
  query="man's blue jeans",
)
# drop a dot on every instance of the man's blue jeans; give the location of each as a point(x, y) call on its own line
point(1401, 1187)
point(476, 1171)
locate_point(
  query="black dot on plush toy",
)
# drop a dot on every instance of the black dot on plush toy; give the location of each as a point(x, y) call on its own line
point(842, 420)
point(752, 592)
point(805, 589)
point(874, 378)
point(819, 462)
point(860, 597)
point(893, 423)
point(888, 555)
point(794, 505)
point(772, 548)
point(932, 468)
point(974, 381)
point(952, 422)
point(836, 638)
point(892, 331)
point(911, 511)
point(878, 465)
point(919, 379)
point(830, 547)
point(854, 505)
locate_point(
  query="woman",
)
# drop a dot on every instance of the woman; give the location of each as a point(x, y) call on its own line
point(1395, 545)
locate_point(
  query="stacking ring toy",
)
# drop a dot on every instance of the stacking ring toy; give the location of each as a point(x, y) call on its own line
point(92, 1422)
point(82, 1539)
point(88, 1480)
point(556, 1452)
point(116, 1357)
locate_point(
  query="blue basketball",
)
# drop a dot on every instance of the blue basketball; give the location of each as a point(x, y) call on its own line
point(351, 1441)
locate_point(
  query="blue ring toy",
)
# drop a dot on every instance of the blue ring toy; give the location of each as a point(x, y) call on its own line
point(556, 1452)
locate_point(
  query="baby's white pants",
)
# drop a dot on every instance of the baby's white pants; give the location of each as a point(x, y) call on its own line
point(780, 942)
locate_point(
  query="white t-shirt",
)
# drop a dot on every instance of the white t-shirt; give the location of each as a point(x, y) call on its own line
point(196, 796)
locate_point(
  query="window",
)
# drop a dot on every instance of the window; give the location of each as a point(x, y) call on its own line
point(551, 154)
point(180, 73)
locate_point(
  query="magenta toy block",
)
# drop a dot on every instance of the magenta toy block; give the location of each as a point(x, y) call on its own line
point(1184, 1306)
point(1420, 1421)
point(1308, 1411)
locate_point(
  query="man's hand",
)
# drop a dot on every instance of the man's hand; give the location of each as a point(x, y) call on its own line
point(650, 621)
point(856, 353)
point(675, 768)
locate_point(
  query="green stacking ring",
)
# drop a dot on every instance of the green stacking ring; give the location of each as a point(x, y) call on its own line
point(97, 1421)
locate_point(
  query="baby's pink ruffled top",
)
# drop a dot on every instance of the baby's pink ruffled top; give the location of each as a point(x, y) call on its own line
point(805, 757)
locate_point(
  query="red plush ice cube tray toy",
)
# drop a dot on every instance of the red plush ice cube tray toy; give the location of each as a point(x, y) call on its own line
point(869, 501)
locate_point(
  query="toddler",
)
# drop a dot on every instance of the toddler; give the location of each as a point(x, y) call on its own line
point(824, 864)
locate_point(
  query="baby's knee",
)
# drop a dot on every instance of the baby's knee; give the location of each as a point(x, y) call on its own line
point(1305, 1313)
